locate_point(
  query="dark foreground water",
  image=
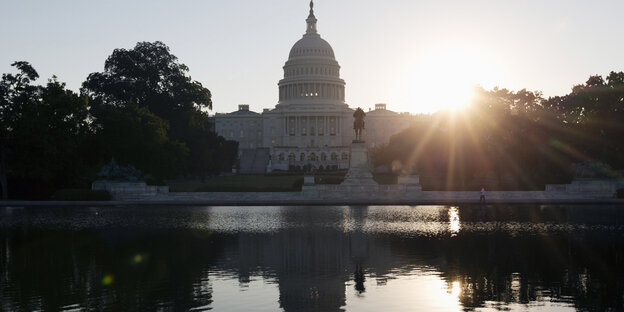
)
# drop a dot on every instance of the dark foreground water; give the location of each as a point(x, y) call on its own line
point(381, 258)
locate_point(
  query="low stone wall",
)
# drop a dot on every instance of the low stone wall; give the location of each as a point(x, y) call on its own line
point(406, 191)
point(333, 196)
point(606, 188)
point(124, 190)
point(329, 191)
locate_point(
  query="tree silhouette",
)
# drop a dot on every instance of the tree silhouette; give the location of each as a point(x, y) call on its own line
point(151, 78)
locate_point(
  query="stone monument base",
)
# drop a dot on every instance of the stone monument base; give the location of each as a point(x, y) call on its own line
point(359, 183)
point(123, 190)
point(359, 173)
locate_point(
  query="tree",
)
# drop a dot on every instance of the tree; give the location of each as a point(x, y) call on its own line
point(134, 135)
point(50, 135)
point(504, 138)
point(151, 78)
point(43, 130)
point(593, 114)
point(16, 93)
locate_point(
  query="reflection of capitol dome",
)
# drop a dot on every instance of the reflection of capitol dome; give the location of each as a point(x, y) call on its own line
point(311, 72)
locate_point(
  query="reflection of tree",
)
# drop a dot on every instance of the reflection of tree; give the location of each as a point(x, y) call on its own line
point(312, 262)
point(522, 269)
point(148, 269)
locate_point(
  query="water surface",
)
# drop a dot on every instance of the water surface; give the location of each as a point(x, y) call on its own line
point(359, 258)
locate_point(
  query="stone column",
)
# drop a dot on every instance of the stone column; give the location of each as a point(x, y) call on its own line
point(338, 125)
point(316, 125)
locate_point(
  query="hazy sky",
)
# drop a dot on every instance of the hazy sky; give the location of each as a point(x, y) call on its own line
point(405, 53)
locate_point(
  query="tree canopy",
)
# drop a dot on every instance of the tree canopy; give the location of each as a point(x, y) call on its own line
point(42, 134)
point(143, 109)
point(508, 139)
point(148, 85)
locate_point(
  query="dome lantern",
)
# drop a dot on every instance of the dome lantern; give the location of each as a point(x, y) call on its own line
point(311, 20)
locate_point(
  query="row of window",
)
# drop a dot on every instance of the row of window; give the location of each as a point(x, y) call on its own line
point(241, 134)
point(312, 71)
point(312, 157)
point(308, 51)
point(304, 131)
point(312, 143)
point(321, 90)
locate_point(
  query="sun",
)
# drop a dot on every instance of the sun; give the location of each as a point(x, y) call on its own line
point(445, 79)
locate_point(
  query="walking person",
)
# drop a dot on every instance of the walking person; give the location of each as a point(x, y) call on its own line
point(482, 197)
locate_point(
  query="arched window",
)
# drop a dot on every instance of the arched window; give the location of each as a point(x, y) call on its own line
point(291, 157)
point(323, 157)
point(334, 156)
point(302, 157)
point(345, 156)
point(281, 156)
point(313, 157)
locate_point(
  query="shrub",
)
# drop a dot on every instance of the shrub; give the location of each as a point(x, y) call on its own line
point(81, 195)
point(386, 178)
point(297, 184)
point(230, 188)
point(155, 181)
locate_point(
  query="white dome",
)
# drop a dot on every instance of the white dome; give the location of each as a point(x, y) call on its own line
point(311, 74)
point(311, 45)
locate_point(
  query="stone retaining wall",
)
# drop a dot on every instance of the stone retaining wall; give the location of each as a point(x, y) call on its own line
point(123, 190)
point(336, 198)
point(139, 191)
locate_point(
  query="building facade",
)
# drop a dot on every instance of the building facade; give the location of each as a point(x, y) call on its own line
point(311, 125)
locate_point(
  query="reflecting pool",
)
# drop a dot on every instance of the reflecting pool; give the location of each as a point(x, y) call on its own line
point(335, 258)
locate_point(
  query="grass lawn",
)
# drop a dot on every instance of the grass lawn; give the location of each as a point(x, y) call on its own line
point(240, 183)
point(261, 183)
point(293, 182)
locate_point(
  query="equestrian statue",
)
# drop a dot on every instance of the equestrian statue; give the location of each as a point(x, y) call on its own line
point(358, 124)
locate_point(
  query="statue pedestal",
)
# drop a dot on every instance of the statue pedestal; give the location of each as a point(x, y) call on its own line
point(359, 173)
point(359, 184)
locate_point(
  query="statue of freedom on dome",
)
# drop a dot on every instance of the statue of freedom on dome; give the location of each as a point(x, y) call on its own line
point(358, 125)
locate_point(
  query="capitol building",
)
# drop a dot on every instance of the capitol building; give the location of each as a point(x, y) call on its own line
point(311, 125)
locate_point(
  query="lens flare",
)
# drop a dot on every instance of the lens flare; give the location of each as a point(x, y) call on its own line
point(138, 258)
point(108, 280)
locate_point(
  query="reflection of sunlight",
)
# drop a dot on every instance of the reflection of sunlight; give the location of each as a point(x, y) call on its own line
point(260, 294)
point(421, 220)
point(454, 223)
point(424, 291)
point(455, 290)
point(262, 219)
